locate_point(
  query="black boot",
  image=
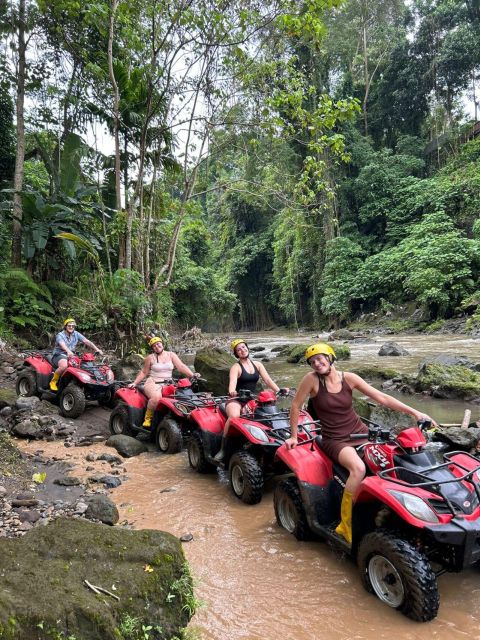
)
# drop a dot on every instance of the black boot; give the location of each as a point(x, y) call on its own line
point(220, 455)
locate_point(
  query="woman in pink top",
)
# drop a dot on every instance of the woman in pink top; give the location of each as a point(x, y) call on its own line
point(157, 368)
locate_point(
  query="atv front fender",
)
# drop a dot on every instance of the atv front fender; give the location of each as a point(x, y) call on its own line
point(310, 467)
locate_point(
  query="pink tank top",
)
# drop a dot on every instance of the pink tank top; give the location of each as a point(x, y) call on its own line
point(160, 371)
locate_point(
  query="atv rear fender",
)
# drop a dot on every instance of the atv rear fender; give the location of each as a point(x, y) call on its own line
point(40, 364)
point(311, 467)
point(131, 397)
point(208, 419)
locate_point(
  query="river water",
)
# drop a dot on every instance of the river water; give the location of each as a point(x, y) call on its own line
point(255, 580)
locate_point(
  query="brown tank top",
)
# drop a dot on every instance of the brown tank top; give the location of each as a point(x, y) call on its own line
point(335, 412)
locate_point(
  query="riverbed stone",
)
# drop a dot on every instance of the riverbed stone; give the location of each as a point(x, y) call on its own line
point(214, 365)
point(464, 439)
point(26, 402)
point(7, 398)
point(100, 507)
point(28, 429)
point(44, 593)
point(126, 446)
point(392, 349)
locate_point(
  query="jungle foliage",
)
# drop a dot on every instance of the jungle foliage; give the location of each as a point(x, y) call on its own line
point(237, 163)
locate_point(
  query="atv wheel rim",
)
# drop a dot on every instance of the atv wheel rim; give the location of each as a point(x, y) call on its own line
point(287, 514)
point(68, 402)
point(238, 480)
point(117, 425)
point(386, 581)
point(163, 440)
point(24, 387)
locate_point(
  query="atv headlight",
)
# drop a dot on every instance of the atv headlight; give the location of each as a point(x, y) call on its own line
point(85, 377)
point(415, 505)
point(257, 433)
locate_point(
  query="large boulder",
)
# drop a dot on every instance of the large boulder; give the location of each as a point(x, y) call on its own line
point(448, 360)
point(141, 578)
point(296, 353)
point(214, 365)
point(443, 381)
point(465, 439)
point(392, 349)
point(127, 446)
point(128, 368)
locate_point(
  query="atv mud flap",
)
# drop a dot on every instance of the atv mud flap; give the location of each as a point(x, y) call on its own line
point(463, 536)
point(322, 504)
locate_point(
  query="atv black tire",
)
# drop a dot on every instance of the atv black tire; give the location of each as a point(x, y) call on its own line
point(246, 477)
point(168, 436)
point(400, 575)
point(119, 422)
point(26, 384)
point(289, 509)
point(196, 454)
point(72, 401)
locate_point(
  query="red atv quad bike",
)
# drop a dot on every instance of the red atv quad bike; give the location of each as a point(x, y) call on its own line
point(172, 417)
point(82, 380)
point(250, 445)
point(415, 516)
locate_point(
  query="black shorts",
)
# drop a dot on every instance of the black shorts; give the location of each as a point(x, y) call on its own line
point(56, 359)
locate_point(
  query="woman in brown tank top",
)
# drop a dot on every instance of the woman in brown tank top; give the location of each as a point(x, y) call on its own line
point(331, 394)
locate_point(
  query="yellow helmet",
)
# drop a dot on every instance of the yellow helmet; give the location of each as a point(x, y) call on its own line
point(321, 348)
point(68, 321)
point(154, 340)
point(236, 342)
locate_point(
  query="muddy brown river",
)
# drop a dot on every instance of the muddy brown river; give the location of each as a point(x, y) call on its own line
point(255, 580)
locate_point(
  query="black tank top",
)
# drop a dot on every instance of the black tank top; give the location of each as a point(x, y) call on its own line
point(247, 380)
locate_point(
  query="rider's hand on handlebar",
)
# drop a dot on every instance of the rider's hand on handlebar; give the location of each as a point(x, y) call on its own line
point(132, 385)
point(291, 442)
point(196, 376)
point(284, 391)
point(423, 417)
point(233, 394)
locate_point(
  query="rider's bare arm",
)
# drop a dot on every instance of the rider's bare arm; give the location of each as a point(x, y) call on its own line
point(356, 382)
point(144, 372)
point(233, 377)
point(179, 365)
point(308, 387)
point(90, 345)
point(63, 346)
point(266, 378)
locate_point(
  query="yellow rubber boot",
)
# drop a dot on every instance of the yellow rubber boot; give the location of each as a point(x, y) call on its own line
point(147, 423)
point(345, 527)
point(53, 382)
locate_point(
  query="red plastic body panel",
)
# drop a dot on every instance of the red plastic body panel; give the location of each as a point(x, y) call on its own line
point(88, 357)
point(168, 390)
point(412, 438)
point(39, 364)
point(313, 467)
point(132, 397)
point(266, 396)
point(166, 404)
point(209, 419)
point(379, 457)
point(183, 383)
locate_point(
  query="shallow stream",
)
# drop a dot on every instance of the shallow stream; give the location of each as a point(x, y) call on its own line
point(255, 580)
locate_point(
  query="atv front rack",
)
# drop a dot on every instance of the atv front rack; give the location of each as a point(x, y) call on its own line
point(435, 486)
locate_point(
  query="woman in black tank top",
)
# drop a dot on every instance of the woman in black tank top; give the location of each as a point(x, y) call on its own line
point(244, 375)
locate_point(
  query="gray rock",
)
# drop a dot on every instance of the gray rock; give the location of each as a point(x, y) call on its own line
point(28, 429)
point(6, 411)
point(26, 403)
point(126, 446)
point(101, 508)
point(214, 365)
point(447, 360)
point(392, 349)
point(109, 481)
point(110, 458)
point(67, 481)
point(256, 349)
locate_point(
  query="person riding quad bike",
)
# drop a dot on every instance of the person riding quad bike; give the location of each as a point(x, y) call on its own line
point(244, 376)
point(66, 342)
point(331, 394)
point(157, 369)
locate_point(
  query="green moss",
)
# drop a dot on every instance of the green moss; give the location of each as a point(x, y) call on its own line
point(456, 381)
point(435, 326)
point(374, 372)
point(7, 397)
point(296, 353)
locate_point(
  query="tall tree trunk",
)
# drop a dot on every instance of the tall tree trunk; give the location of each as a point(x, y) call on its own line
point(20, 152)
point(365, 67)
point(116, 134)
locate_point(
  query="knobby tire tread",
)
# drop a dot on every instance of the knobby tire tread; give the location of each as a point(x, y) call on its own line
point(253, 477)
point(290, 488)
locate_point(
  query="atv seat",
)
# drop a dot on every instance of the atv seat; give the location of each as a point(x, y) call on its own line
point(338, 470)
point(48, 358)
